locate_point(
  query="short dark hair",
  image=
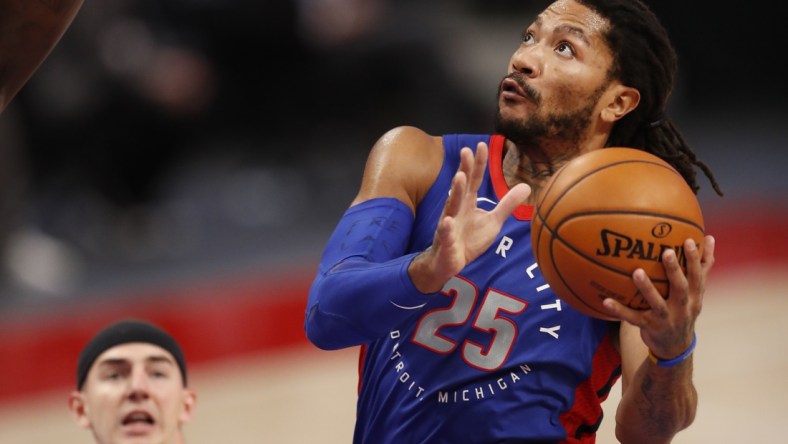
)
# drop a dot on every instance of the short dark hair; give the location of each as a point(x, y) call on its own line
point(123, 332)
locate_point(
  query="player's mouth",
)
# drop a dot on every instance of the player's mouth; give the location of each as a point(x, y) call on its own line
point(512, 91)
point(138, 422)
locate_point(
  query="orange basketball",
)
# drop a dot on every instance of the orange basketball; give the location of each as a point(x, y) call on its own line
point(605, 214)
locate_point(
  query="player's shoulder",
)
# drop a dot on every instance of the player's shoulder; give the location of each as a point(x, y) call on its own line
point(403, 163)
point(408, 140)
point(404, 144)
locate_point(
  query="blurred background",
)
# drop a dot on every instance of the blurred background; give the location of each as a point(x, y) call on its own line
point(186, 161)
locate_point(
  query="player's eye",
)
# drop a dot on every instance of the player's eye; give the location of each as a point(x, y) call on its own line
point(112, 375)
point(527, 37)
point(564, 49)
point(160, 371)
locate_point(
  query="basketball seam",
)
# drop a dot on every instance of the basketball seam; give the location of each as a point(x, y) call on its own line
point(540, 217)
point(615, 211)
point(589, 173)
point(538, 206)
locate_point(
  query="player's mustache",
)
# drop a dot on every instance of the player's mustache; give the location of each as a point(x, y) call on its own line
point(529, 91)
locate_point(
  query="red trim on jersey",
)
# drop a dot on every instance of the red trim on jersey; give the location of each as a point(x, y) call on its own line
point(362, 353)
point(523, 212)
point(582, 420)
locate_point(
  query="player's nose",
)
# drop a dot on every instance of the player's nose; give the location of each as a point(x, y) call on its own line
point(138, 385)
point(527, 60)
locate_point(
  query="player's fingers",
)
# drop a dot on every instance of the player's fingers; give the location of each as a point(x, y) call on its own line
point(657, 303)
point(678, 281)
point(692, 258)
point(618, 310)
point(613, 307)
point(707, 261)
point(444, 234)
point(466, 161)
point(696, 272)
point(515, 197)
point(479, 165)
point(456, 195)
point(639, 318)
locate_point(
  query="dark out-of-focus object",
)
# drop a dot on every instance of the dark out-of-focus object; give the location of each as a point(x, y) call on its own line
point(29, 29)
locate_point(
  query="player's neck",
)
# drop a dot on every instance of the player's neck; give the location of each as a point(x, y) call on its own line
point(533, 165)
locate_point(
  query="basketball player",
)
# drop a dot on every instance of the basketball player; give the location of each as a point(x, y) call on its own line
point(132, 386)
point(431, 271)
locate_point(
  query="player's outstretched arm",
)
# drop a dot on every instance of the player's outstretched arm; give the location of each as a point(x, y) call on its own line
point(366, 283)
point(362, 289)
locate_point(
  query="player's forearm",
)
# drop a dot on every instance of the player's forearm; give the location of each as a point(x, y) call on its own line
point(658, 403)
point(360, 301)
point(362, 289)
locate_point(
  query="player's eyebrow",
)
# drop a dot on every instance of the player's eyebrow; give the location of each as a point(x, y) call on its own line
point(573, 30)
point(159, 358)
point(113, 362)
point(150, 359)
point(565, 29)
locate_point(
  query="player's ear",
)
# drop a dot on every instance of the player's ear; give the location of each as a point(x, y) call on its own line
point(76, 405)
point(189, 400)
point(621, 100)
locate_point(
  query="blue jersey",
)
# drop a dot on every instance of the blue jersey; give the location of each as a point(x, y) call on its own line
point(496, 356)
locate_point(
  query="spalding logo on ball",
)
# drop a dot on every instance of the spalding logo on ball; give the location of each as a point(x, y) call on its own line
point(605, 214)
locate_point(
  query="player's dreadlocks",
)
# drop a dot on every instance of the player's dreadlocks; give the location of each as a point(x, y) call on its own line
point(644, 58)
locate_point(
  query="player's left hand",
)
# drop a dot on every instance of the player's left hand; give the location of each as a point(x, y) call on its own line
point(667, 327)
point(464, 230)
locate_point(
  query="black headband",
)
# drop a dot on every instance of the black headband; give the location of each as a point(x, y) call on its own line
point(123, 332)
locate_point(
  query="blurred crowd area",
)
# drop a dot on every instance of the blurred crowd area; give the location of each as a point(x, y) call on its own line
point(176, 139)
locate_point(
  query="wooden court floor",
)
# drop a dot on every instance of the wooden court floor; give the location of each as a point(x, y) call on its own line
point(303, 395)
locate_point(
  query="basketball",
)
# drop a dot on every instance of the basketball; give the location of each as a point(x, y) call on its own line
point(605, 214)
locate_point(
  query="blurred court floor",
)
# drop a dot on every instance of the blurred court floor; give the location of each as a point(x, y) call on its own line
point(305, 395)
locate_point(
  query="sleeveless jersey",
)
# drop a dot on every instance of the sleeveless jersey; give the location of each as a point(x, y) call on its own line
point(496, 356)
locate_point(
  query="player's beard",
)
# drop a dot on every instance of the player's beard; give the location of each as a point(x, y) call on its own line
point(537, 131)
